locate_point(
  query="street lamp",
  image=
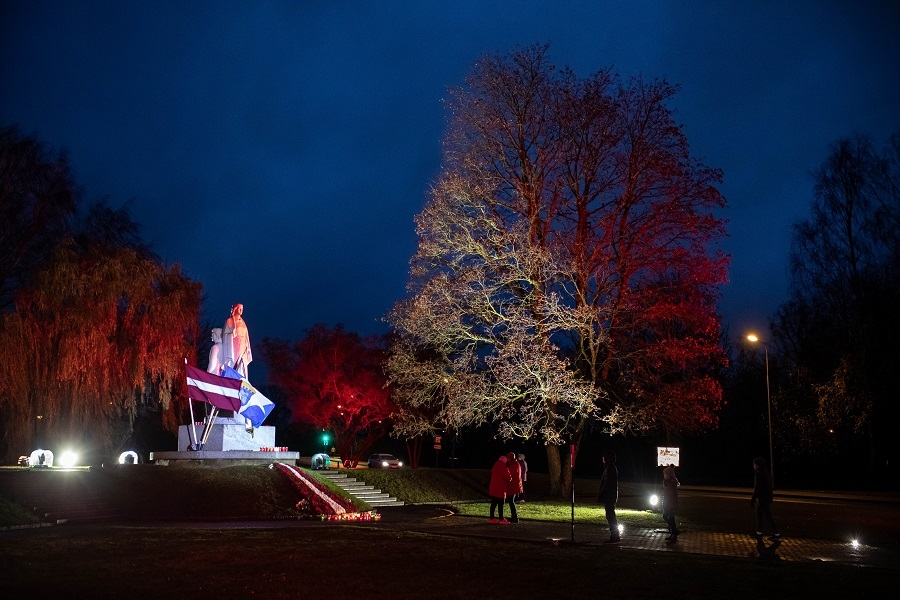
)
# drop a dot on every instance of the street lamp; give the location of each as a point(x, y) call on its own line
point(752, 337)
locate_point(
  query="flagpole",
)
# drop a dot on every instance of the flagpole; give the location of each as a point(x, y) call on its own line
point(210, 421)
point(191, 406)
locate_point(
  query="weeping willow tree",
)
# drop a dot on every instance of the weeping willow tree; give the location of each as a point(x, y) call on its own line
point(97, 336)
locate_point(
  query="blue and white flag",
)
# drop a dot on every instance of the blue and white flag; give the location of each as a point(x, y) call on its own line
point(254, 406)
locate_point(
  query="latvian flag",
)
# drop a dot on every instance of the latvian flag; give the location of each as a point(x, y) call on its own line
point(221, 392)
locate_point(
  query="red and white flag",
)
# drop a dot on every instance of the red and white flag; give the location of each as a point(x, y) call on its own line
point(221, 392)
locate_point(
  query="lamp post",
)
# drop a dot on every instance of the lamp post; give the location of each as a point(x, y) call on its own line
point(752, 337)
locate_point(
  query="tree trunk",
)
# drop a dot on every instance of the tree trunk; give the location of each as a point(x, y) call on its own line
point(414, 449)
point(554, 467)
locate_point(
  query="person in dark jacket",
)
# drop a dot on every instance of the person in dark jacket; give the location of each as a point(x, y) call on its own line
point(670, 501)
point(514, 487)
point(763, 495)
point(500, 478)
point(609, 494)
point(523, 466)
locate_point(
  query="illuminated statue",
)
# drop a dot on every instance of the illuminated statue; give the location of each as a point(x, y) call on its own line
point(236, 341)
point(215, 353)
point(236, 348)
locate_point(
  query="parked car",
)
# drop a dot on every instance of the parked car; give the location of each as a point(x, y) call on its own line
point(384, 461)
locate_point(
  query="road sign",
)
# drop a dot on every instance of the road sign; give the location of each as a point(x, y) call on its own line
point(437, 446)
point(667, 456)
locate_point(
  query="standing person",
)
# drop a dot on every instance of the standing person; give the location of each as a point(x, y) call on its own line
point(763, 495)
point(609, 494)
point(523, 467)
point(670, 501)
point(500, 478)
point(514, 486)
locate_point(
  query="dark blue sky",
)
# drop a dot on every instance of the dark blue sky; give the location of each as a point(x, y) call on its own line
point(280, 150)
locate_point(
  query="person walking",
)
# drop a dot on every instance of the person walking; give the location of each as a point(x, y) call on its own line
point(514, 486)
point(523, 467)
point(609, 494)
point(763, 496)
point(670, 502)
point(500, 478)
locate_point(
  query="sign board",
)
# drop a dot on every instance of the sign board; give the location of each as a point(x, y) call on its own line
point(666, 456)
point(437, 446)
point(437, 439)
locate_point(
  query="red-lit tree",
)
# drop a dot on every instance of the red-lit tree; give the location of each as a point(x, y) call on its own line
point(566, 271)
point(334, 380)
point(99, 335)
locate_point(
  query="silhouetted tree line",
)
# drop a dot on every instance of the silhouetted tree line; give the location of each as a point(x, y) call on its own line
point(837, 339)
point(94, 327)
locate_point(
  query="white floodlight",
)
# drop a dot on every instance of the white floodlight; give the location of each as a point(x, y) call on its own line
point(128, 458)
point(68, 459)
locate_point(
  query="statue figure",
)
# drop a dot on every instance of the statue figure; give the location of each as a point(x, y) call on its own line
point(236, 342)
point(215, 353)
point(236, 349)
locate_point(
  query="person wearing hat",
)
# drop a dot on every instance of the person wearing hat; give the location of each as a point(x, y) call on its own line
point(670, 502)
point(609, 495)
point(763, 496)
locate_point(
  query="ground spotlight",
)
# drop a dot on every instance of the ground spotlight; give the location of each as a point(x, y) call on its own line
point(41, 458)
point(68, 459)
point(128, 458)
point(654, 500)
point(855, 543)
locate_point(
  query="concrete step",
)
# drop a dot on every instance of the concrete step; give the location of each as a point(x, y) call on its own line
point(374, 495)
point(386, 503)
point(360, 487)
point(362, 491)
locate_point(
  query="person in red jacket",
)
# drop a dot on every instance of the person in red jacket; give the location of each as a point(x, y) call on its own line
point(514, 486)
point(497, 490)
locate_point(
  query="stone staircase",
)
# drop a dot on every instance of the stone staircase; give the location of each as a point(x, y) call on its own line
point(359, 489)
point(60, 496)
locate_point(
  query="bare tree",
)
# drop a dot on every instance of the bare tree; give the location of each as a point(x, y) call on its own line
point(565, 272)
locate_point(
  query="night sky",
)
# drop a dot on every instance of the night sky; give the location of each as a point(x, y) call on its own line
point(279, 150)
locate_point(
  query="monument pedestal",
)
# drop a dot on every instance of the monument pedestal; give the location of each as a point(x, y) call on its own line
point(228, 436)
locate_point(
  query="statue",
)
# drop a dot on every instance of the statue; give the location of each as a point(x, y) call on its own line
point(215, 353)
point(236, 342)
point(236, 348)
